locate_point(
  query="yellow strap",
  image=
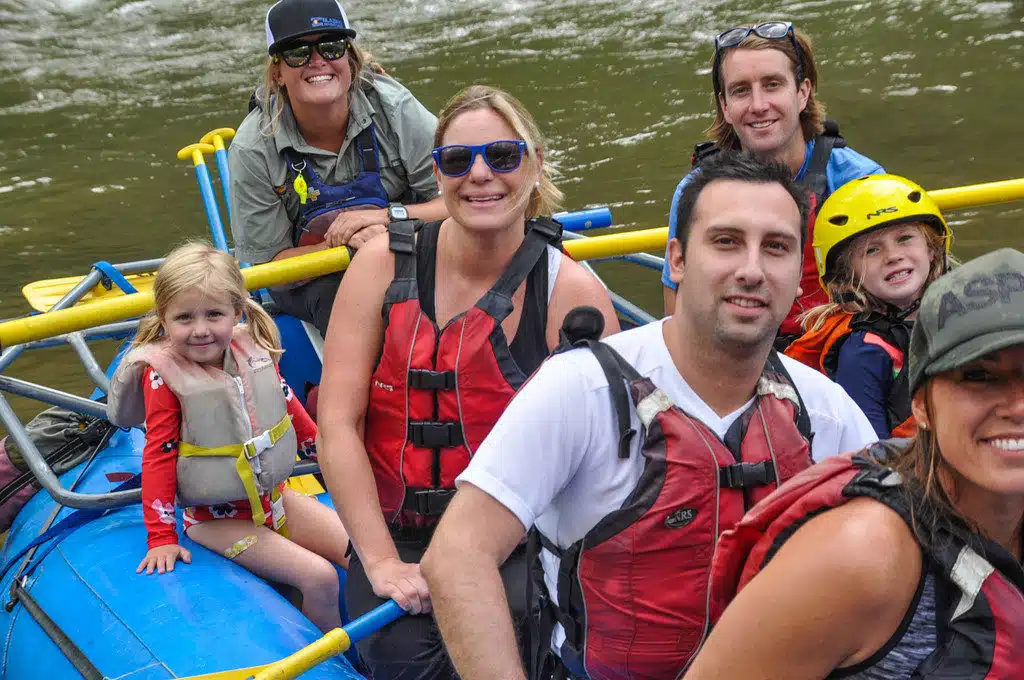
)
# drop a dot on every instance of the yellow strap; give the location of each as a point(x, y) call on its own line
point(276, 432)
point(244, 470)
point(278, 520)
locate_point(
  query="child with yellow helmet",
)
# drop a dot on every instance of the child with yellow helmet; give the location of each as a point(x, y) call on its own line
point(879, 241)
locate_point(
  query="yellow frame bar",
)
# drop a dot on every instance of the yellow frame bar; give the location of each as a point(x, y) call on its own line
point(275, 273)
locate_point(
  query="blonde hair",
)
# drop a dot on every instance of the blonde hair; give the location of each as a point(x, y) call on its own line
point(272, 97)
point(812, 118)
point(199, 266)
point(544, 198)
point(846, 291)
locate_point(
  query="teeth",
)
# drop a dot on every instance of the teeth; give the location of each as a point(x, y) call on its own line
point(760, 125)
point(743, 302)
point(483, 199)
point(313, 80)
point(901, 275)
point(1008, 444)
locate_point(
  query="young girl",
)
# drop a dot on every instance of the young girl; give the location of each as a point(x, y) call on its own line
point(222, 431)
point(879, 241)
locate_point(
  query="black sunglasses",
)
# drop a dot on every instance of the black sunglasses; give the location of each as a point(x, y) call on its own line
point(771, 30)
point(502, 156)
point(298, 55)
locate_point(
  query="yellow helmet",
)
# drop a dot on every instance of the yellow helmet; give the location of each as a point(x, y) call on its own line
point(866, 204)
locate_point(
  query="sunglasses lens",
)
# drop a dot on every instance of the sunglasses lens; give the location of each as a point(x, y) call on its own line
point(297, 56)
point(773, 30)
point(503, 156)
point(455, 160)
point(732, 37)
point(332, 49)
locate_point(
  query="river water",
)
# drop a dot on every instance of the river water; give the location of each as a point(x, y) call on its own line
point(96, 96)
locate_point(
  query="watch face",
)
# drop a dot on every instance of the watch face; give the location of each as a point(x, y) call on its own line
point(398, 212)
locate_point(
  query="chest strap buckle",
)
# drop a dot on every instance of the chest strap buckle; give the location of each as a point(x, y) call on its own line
point(747, 475)
point(431, 435)
point(428, 502)
point(422, 379)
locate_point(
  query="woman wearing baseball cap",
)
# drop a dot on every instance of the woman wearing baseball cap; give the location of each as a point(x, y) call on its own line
point(332, 151)
point(903, 560)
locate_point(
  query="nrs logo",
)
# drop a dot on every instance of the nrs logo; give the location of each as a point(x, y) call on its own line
point(680, 518)
point(882, 211)
point(383, 386)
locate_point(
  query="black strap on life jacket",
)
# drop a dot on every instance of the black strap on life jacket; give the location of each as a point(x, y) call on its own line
point(892, 328)
point(815, 177)
point(582, 328)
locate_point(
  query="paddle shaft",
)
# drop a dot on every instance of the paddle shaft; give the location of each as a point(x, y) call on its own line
point(275, 273)
point(337, 641)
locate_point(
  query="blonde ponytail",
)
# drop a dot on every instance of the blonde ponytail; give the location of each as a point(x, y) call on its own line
point(262, 328)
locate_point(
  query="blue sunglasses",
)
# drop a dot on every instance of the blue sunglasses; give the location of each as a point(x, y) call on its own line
point(771, 30)
point(455, 160)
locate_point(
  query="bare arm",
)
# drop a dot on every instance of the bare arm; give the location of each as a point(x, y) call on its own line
point(832, 596)
point(351, 352)
point(575, 286)
point(475, 536)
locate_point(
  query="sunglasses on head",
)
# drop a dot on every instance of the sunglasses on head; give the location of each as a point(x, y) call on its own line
point(770, 30)
point(299, 54)
point(502, 156)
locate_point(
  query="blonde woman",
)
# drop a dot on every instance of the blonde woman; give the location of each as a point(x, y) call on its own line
point(333, 151)
point(904, 560)
point(201, 381)
point(471, 306)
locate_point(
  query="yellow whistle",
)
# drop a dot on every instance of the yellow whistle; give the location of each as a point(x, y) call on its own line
point(300, 188)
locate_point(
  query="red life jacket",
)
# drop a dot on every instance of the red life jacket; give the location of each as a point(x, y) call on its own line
point(632, 595)
point(819, 349)
point(979, 585)
point(437, 392)
point(813, 294)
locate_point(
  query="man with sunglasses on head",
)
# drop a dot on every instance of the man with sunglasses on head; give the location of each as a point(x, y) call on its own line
point(765, 83)
point(629, 457)
point(332, 151)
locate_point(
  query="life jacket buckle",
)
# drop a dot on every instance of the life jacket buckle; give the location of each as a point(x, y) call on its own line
point(428, 502)
point(257, 445)
point(747, 475)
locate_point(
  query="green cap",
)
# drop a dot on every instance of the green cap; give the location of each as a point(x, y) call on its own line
point(967, 313)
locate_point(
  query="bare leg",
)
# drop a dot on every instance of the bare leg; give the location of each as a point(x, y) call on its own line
point(316, 527)
point(276, 558)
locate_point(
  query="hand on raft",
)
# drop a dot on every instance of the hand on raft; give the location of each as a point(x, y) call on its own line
point(402, 582)
point(163, 557)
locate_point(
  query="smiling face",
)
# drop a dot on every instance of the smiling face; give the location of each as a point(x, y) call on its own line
point(198, 326)
point(893, 263)
point(761, 100)
point(742, 263)
point(319, 82)
point(483, 199)
point(977, 413)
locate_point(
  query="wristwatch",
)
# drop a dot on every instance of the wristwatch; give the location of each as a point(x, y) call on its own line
point(397, 211)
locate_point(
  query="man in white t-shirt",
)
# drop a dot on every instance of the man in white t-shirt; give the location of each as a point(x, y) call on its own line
point(629, 531)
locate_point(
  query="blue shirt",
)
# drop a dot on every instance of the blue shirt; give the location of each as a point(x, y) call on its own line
point(864, 370)
point(844, 165)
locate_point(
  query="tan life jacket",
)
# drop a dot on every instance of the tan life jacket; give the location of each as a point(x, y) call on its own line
point(236, 440)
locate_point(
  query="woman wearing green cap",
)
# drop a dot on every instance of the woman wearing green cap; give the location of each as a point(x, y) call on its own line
point(332, 151)
point(902, 560)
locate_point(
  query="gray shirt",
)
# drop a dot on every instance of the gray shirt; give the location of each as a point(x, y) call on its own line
point(263, 204)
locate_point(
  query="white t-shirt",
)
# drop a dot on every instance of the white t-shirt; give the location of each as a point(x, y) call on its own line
point(552, 458)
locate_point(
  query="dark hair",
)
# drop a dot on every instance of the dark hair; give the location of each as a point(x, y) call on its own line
point(743, 167)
